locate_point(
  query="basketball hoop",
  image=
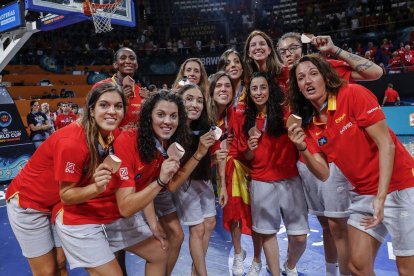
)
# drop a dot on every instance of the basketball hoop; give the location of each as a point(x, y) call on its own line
point(101, 14)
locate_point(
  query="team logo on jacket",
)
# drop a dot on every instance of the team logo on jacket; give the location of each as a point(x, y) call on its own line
point(138, 176)
point(123, 173)
point(322, 141)
point(70, 167)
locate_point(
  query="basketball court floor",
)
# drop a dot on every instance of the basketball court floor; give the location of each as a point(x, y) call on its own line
point(219, 256)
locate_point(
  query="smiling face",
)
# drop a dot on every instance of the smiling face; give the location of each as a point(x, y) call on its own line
point(126, 62)
point(311, 83)
point(290, 50)
point(234, 67)
point(194, 103)
point(164, 120)
point(108, 112)
point(192, 71)
point(35, 107)
point(223, 91)
point(259, 50)
point(259, 92)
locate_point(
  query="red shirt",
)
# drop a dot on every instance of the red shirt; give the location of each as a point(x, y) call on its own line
point(131, 118)
point(226, 124)
point(63, 120)
point(342, 68)
point(240, 100)
point(37, 184)
point(392, 95)
point(345, 142)
point(274, 159)
point(408, 57)
point(283, 79)
point(133, 171)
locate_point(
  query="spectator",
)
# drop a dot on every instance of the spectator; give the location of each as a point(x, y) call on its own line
point(38, 124)
point(58, 110)
point(53, 94)
point(49, 115)
point(66, 117)
point(75, 110)
point(395, 64)
point(391, 97)
point(408, 58)
point(152, 89)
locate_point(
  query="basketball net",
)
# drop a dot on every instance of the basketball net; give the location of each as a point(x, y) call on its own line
point(101, 14)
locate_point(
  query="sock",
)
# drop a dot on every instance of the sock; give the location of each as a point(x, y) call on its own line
point(332, 269)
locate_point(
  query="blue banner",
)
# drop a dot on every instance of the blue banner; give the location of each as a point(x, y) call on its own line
point(11, 17)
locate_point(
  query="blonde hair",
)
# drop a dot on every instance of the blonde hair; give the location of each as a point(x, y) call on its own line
point(203, 84)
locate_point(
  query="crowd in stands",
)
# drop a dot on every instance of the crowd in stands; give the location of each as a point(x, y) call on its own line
point(355, 24)
point(42, 121)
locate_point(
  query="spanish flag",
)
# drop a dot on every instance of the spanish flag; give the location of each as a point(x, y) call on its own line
point(238, 205)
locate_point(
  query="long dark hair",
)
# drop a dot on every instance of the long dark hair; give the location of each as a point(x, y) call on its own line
point(146, 138)
point(224, 60)
point(202, 126)
point(89, 124)
point(274, 106)
point(298, 103)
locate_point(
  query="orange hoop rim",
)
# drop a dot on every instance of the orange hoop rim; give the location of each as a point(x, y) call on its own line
point(87, 5)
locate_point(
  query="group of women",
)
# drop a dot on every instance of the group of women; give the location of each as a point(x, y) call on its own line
point(337, 162)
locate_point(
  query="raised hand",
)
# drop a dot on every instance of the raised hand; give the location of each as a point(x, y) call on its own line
point(102, 176)
point(297, 136)
point(168, 168)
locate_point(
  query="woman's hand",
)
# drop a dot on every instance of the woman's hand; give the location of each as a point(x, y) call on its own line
point(377, 217)
point(297, 136)
point(220, 155)
point(159, 234)
point(128, 90)
point(144, 93)
point(102, 176)
point(223, 195)
point(253, 142)
point(168, 168)
point(206, 141)
point(324, 44)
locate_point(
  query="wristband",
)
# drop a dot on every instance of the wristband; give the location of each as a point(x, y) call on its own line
point(196, 158)
point(160, 183)
point(302, 150)
point(338, 52)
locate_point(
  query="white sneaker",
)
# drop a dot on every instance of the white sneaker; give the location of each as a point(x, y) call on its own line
point(290, 272)
point(238, 266)
point(254, 269)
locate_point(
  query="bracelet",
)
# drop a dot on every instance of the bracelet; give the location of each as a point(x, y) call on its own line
point(196, 158)
point(338, 52)
point(302, 150)
point(160, 183)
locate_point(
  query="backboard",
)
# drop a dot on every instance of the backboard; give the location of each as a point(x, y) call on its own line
point(125, 14)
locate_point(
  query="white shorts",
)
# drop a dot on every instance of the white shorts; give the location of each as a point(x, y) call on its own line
point(272, 201)
point(330, 198)
point(164, 204)
point(93, 245)
point(398, 219)
point(195, 201)
point(33, 230)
